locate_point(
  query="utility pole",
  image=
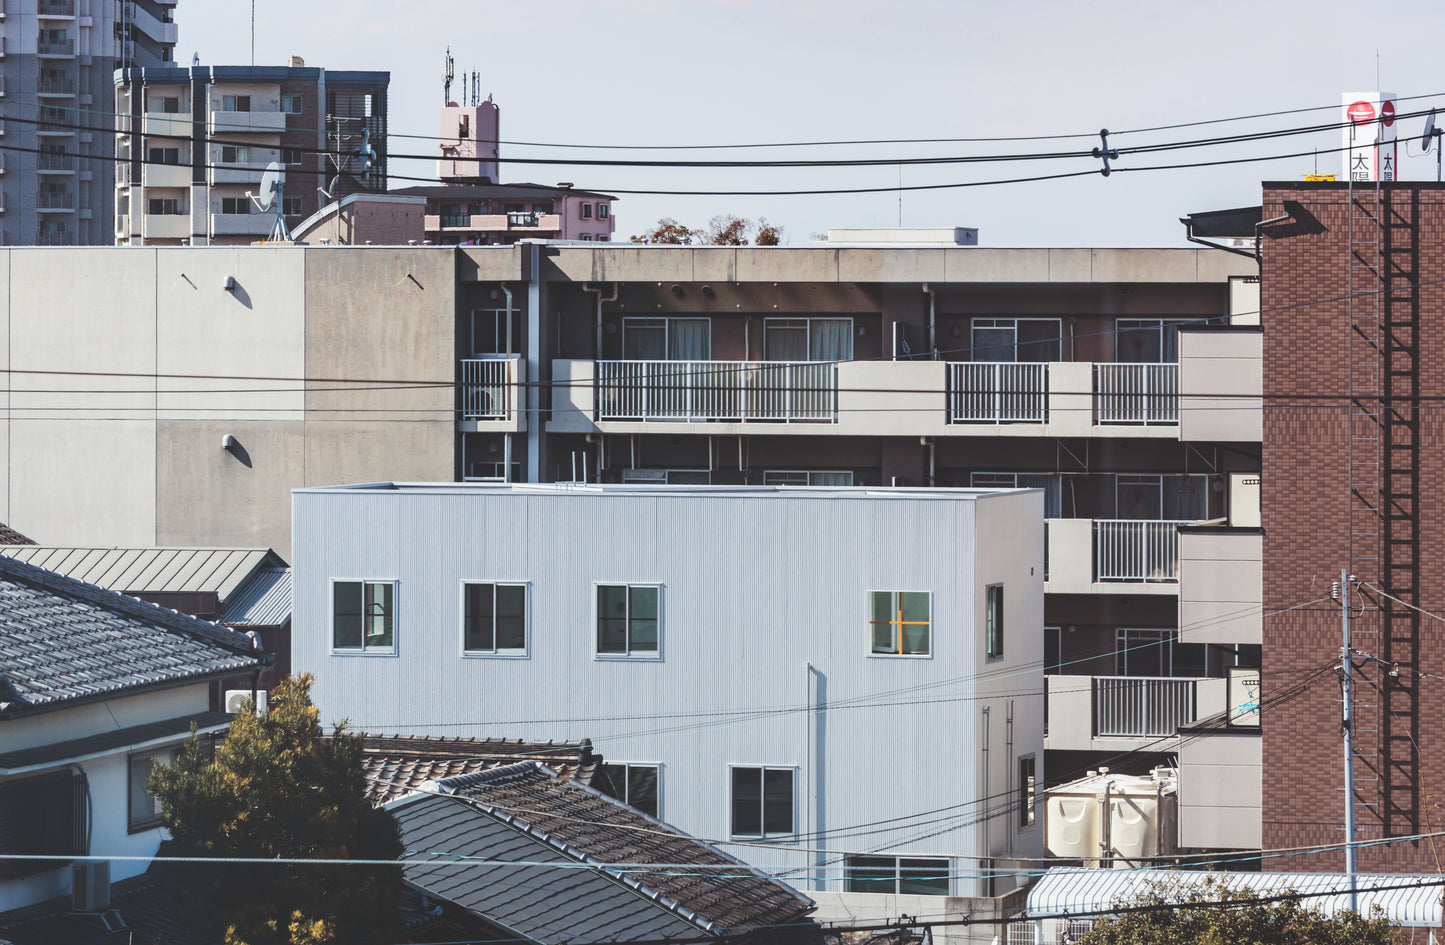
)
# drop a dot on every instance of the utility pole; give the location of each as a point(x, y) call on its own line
point(1347, 729)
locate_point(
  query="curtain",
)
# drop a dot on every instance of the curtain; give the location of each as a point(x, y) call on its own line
point(785, 340)
point(644, 339)
point(689, 339)
point(831, 339)
point(1038, 339)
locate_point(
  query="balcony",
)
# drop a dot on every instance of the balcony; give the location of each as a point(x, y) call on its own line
point(55, 86)
point(249, 174)
point(998, 392)
point(161, 226)
point(63, 48)
point(1136, 394)
point(248, 123)
point(490, 395)
point(1221, 585)
point(55, 202)
point(241, 224)
point(530, 223)
point(1221, 380)
point(1122, 713)
point(166, 175)
point(737, 391)
point(54, 128)
point(55, 163)
point(166, 125)
point(55, 8)
point(1112, 556)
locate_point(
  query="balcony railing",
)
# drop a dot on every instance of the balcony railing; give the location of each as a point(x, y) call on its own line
point(717, 390)
point(456, 219)
point(55, 7)
point(1134, 550)
point(55, 47)
point(55, 162)
point(1142, 706)
point(1136, 393)
point(998, 392)
point(55, 86)
point(486, 389)
point(55, 201)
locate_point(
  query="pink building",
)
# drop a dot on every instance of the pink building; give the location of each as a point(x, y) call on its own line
point(489, 214)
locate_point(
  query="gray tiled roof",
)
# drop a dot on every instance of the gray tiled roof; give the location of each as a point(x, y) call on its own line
point(397, 765)
point(9, 536)
point(525, 813)
point(62, 639)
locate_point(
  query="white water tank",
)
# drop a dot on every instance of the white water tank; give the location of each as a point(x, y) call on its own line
point(1114, 820)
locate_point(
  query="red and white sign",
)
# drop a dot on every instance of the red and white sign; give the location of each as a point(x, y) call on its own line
point(1360, 112)
point(1368, 149)
point(1387, 114)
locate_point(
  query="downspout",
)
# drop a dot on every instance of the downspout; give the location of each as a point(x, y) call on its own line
point(932, 451)
point(508, 293)
point(932, 335)
point(597, 350)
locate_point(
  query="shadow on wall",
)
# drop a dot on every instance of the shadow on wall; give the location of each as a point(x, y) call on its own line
point(233, 446)
point(1301, 223)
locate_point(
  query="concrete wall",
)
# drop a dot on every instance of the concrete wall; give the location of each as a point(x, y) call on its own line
point(1220, 791)
point(1221, 573)
point(764, 603)
point(1221, 378)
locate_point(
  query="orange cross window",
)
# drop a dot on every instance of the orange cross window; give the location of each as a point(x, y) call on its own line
point(899, 623)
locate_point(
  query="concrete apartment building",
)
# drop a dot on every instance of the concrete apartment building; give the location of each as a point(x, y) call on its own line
point(766, 695)
point(194, 141)
point(55, 71)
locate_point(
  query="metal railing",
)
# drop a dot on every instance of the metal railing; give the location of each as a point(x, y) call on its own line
point(53, 86)
point(487, 388)
point(1136, 393)
point(55, 47)
point(55, 200)
point(717, 390)
point(456, 219)
point(998, 392)
point(55, 162)
point(1136, 550)
point(56, 7)
point(1142, 706)
point(525, 219)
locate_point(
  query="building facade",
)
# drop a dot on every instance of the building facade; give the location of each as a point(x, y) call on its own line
point(502, 214)
point(58, 59)
point(194, 142)
point(769, 694)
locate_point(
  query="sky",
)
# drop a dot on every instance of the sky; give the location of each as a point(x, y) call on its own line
point(632, 73)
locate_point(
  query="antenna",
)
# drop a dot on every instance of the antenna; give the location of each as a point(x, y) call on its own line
point(447, 78)
point(272, 183)
point(1432, 132)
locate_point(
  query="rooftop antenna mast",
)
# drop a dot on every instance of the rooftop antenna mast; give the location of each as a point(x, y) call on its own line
point(476, 89)
point(272, 183)
point(447, 77)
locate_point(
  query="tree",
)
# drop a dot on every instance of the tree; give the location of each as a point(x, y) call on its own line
point(725, 229)
point(279, 788)
point(1211, 914)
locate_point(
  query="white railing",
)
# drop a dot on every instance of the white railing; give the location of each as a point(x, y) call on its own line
point(717, 390)
point(1136, 393)
point(487, 389)
point(998, 392)
point(1142, 706)
point(1133, 550)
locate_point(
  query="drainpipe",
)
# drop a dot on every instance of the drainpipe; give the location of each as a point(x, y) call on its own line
point(597, 351)
point(601, 456)
point(506, 457)
point(932, 335)
point(508, 293)
point(748, 338)
point(932, 450)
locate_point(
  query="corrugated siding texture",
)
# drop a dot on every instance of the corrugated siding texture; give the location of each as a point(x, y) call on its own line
point(755, 591)
point(263, 601)
point(526, 899)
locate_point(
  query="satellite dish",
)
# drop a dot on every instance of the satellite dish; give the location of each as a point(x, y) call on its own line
point(271, 182)
point(1429, 131)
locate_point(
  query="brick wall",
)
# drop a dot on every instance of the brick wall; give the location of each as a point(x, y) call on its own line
point(1397, 522)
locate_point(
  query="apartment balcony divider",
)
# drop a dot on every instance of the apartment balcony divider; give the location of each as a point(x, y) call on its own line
point(487, 388)
point(717, 390)
point(998, 392)
point(1128, 393)
point(1142, 706)
point(1136, 550)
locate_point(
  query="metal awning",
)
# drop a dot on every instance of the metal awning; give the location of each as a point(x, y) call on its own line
point(1409, 900)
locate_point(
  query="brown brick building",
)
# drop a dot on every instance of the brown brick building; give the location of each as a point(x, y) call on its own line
point(1353, 284)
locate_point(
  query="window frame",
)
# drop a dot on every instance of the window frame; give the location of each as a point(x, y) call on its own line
point(602, 210)
point(291, 202)
point(808, 475)
point(652, 656)
point(807, 323)
point(638, 322)
point(286, 154)
point(235, 103)
point(627, 767)
point(132, 826)
point(297, 99)
point(1028, 793)
point(994, 623)
point(237, 152)
point(1010, 323)
point(586, 210)
point(793, 771)
point(496, 653)
point(897, 869)
point(363, 650)
point(896, 626)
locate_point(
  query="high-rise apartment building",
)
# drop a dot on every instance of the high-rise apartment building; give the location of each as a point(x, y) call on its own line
point(57, 60)
point(195, 141)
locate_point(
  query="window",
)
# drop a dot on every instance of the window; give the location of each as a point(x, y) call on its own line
point(1027, 795)
point(603, 238)
point(669, 477)
point(489, 332)
point(762, 802)
point(1147, 497)
point(235, 103)
point(898, 622)
point(1053, 652)
point(542, 207)
point(602, 211)
point(464, 127)
point(164, 104)
point(895, 875)
point(1050, 483)
point(1157, 653)
point(164, 155)
point(235, 155)
point(587, 237)
point(145, 808)
point(808, 339)
point(627, 620)
point(291, 206)
point(163, 206)
point(810, 477)
point(291, 104)
point(494, 619)
point(634, 785)
point(666, 339)
point(235, 204)
point(43, 815)
point(290, 155)
point(1017, 339)
point(363, 616)
point(586, 211)
point(993, 620)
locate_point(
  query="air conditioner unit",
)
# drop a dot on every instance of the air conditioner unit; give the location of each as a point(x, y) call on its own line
point(235, 698)
point(90, 886)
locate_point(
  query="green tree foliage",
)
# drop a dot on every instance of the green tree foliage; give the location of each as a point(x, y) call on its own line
point(725, 229)
point(279, 788)
point(1210, 914)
